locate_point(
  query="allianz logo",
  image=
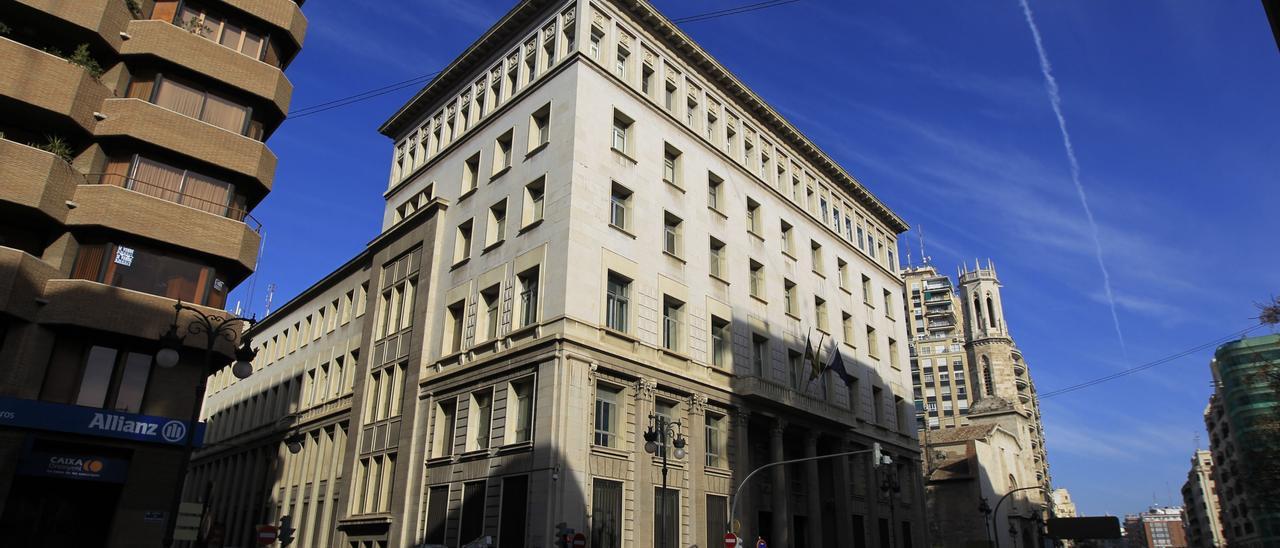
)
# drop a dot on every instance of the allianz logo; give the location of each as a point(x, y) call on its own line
point(172, 431)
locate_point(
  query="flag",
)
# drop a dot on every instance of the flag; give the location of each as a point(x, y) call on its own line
point(811, 354)
point(837, 365)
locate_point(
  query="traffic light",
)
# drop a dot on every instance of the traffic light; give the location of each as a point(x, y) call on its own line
point(285, 534)
point(564, 535)
point(876, 455)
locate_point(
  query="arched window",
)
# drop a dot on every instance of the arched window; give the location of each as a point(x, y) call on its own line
point(977, 312)
point(991, 313)
point(986, 375)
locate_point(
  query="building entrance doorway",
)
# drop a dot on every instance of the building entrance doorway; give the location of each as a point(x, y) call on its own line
point(46, 512)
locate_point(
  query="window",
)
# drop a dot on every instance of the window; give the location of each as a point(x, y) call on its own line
point(502, 153)
point(531, 59)
point(150, 271)
point(606, 513)
point(528, 303)
point(646, 80)
point(672, 315)
point(540, 127)
point(822, 206)
point(671, 165)
point(221, 31)
point(716, 258)
point(873, 346)
point(446, 417)
point(866, 290)
point(691, 110)
point(820, 312)
point(789, 297)
point(669, 502)
point(533, 201)
point(888, 304)
point(717, 512)
point(795, 189)
point(788, 243)
point(619, 206)
point(456, 318)
point(480, 419)
point(714, 185)
point(759, 354)
point(842, 273)
point(114, 379)
point(715, 440)
point(620, 62)
point(721, 342)
point(470, 173)
point(753, 216)
point(497, 231)
point(861, 243)
point(669, 97)
point(205, 106)
point(471, 522)
point(617, 301)
point(671, 234)
point(607, 411)
point(710, 130)
point(757, 280)
point(462, 243)
point(490, 298)
point(877, 401)
point(519, 410)
point(513, 519)
point(621, 132)
point(795, 366)
point(893, 353)
point(815, 256)
point(846, 325)
point(597, 36)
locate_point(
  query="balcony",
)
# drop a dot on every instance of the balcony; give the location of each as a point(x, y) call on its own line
point(165, 220)
point(112, 309)
point(755, 387)
point(1019, 368)
point(22, 279)
point(1021, 383)
point(49, 83)
point(283, 14)
point(105, 18)
point(36, 179)
point(940, 312)
point(941, 326)
point(143, 121)
point(174, 44)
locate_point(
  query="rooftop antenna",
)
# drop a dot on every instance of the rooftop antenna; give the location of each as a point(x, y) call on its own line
point(271, 292)
point(924, 258)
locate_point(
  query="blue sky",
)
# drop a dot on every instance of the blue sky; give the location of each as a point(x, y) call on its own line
point(940, 109)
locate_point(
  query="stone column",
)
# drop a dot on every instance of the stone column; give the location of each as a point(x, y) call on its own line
point(844, 513)
point(814, 495)
point(747, 507)
point(781, 491)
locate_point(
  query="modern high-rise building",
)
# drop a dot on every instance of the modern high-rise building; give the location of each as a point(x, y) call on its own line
point(1242, 423)
point(969, 375)
point(591, 227)
point(1200, 504)
point(131, 153)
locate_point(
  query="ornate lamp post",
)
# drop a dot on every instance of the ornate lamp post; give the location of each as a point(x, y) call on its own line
point(660, 430)
point(213, 328)
point(889, 483)
point(986, 517)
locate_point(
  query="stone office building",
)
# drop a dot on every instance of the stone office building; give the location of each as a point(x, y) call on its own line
point(131, 154)
point(607, 226)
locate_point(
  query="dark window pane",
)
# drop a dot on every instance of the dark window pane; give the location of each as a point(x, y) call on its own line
point(133, 382)
point(717, 510)
point(97, 377)
point(606, 514)
point(437, 510)
point(472, 526)
point(515, 498)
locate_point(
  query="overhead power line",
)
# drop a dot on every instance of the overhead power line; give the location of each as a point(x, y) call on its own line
point(390, 88)
point(1167, 359)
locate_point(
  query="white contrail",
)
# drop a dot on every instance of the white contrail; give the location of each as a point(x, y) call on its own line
point(1051, 85)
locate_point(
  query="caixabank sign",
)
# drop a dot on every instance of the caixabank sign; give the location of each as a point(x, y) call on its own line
point(76, 419)
point(70, 466)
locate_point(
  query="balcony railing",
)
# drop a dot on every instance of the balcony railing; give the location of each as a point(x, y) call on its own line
point(169, 195)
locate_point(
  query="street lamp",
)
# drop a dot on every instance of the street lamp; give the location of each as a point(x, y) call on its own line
point(213, 327)
point(986, 517)
point(890, 484)
point(655, 442)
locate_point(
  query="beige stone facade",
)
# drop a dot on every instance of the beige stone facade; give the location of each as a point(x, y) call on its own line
point(1201, 511)
point(131, 153)
point(622, 230)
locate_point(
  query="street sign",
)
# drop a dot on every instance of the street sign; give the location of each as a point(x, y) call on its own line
point(731, 540)
point(188, 522)
point(579, 541)
point(266, 534)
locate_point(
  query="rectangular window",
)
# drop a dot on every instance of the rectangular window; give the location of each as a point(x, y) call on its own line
point(457, 314)
point(617, 302)
point(446, 416)
point(207, 107)
point(471, 523)
point(497, 231)
point(714, 185)
point(721, 342)
point(873, 345)
point(893, 353)
point(866, 290)
point(520, 410)
point(671, 234)
point(671, 165)
point(759, 354)
point(757, 280)
point(815, 256)
point(646, 81)
point(490, 299)
point(502, 152)
point(619, 204)
point(795, 369)
point(716, 255)
point(462, 243)
point(620, 62)
point(846, 324)
point(715, 440)
point(788, 242)
point(877, 400)
point(669, 97)
point(606, 513)
point(597, 36)
point(540, 127)
point(470, 173)
point(114, 380)
point(668, 501)
point(437, 514)
point(534, 196)
point(820, 312)
point(672, 316)
point(888, 304)
point(789, 297)
point(513, 519)
point(621, 132)
point(607, 411)
point(528, 281)
point(753, 216)
point(842, 273)
point(717, 519)
point(480, 419)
